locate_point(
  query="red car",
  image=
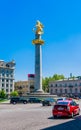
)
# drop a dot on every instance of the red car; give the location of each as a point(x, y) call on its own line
point(66, 108)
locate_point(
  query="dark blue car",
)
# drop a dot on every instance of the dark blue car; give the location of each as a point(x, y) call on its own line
point(34, 100)
point(48, 102)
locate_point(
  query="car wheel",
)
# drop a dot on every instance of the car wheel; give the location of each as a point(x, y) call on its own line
point(43, 104)
point(25, 102)
point(14, 103)
point(49, 104)
point(72, 115)
point(78, 112)
point(54, 116)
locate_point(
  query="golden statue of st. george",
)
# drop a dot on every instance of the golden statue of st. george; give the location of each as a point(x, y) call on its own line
point(39, 27)
point(38, 32)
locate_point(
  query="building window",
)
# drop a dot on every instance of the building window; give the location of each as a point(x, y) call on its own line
point(11, 75)
point(7, 75)
point(11, 72)
point(56, 85)
point(51, 85)
point(70, 90)
point(3, 74)
point(51, 91)
point(70, 85)
point(65, 85)
point(6, 90)
point(10, 85)
point(7, 85)
point(65, 90)
point(7, 65)
point(10, 90)
point(2, 80)
point(2, 85)
point(3, 71)
point(60, 85)
point(76, 90)
point(11, 80)
point(7, 80)
point(55, 90)
point(7, 71)
point(80, 90)
point(75, 84)
point(23, 86)
point(60, 90)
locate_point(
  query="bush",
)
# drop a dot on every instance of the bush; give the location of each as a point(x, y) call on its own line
point(2, 94)
point(14, 94)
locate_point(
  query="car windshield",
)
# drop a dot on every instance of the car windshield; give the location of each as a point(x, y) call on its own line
point(60, 99)
point(62, 103)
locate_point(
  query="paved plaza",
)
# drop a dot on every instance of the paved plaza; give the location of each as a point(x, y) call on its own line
point(34, 117)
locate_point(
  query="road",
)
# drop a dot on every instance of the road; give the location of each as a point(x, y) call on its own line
point(34, 117)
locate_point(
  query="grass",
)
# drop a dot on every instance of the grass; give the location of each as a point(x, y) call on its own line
point(3, 100)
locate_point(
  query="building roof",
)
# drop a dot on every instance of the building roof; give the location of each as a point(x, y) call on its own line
point(65, 80)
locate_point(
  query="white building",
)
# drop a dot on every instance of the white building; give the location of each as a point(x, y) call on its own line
point(65, 87)
point(7, 76)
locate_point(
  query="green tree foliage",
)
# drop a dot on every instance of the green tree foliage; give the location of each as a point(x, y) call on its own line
point(2, 94)
point(14, 94)
point(45, 81)
point(57, 77)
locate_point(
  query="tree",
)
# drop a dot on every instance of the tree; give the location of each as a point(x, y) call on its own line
point(45, 84)
point(45, 81)
point(57, 77)
point(2, 94)
point(14, 94)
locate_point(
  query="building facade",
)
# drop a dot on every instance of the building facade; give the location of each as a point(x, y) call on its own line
point(7, 76)
point(24, 87)
point(65, 87)
point(31, 83)
point(21, 87)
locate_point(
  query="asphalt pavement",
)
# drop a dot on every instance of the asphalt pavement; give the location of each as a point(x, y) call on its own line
point(34, 117)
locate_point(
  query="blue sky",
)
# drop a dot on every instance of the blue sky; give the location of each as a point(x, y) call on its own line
point(62, 35)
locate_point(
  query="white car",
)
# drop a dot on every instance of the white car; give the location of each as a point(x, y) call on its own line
point(61, 98)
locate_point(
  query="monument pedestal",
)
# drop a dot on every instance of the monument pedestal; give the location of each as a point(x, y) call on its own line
point(41, 94)
point(45, 95)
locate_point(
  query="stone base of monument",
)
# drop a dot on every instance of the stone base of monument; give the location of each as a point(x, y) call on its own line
point(41, 94)
point(39, 91)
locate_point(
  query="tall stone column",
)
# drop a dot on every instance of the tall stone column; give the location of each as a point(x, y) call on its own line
point(38, 57)
point(38, 67)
